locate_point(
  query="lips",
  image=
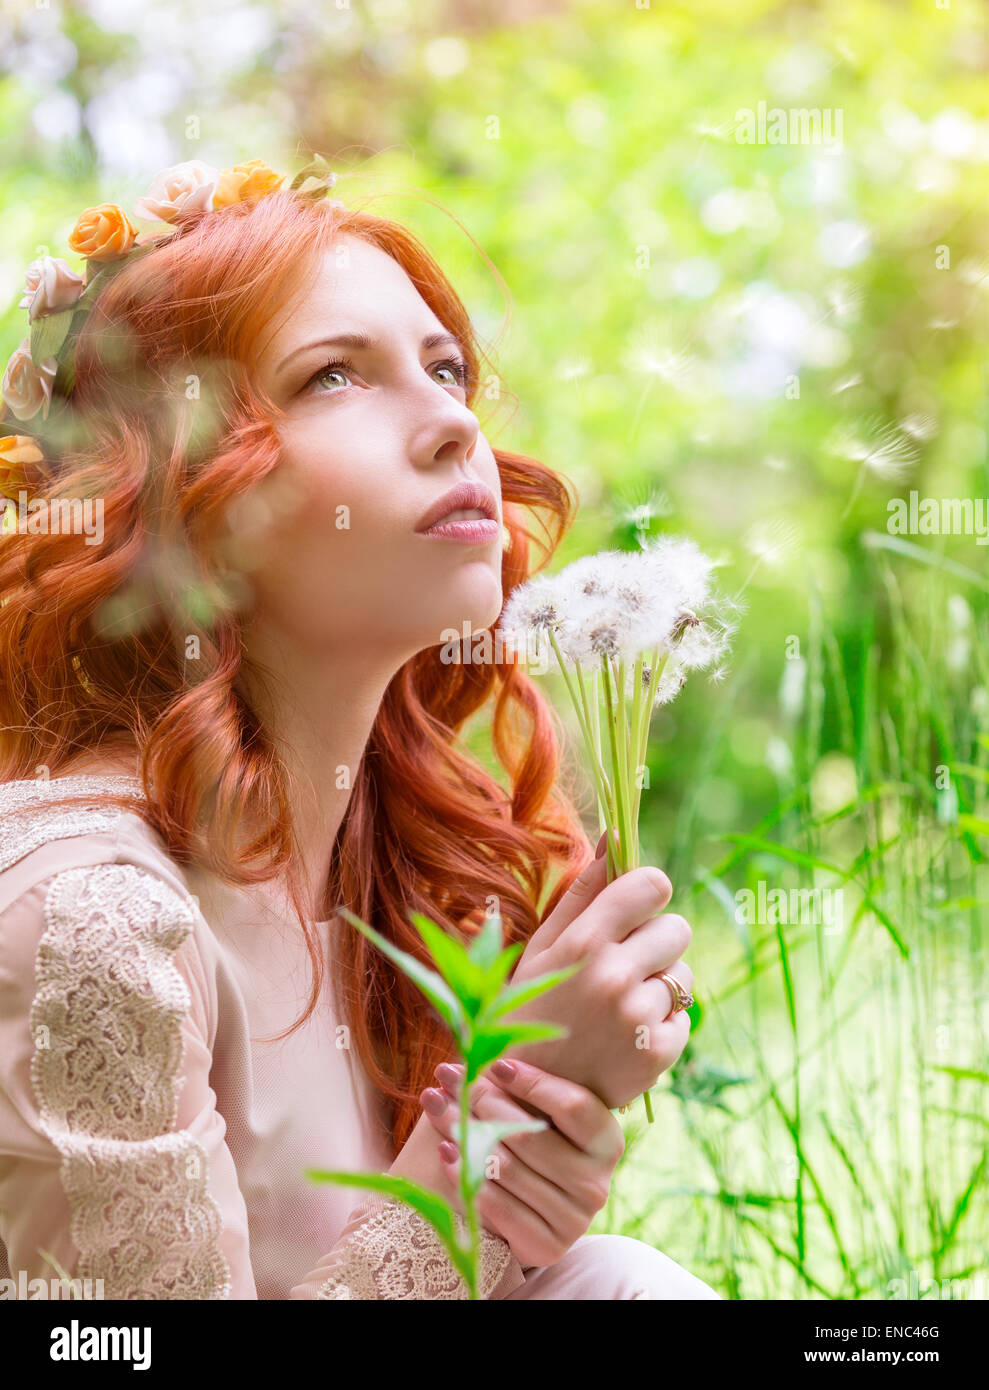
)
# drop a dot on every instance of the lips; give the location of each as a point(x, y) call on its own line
point(465, 497)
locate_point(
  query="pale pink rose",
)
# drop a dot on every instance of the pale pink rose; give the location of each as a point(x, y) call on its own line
point(26, 388)
point(50, 285)
point(183, 188)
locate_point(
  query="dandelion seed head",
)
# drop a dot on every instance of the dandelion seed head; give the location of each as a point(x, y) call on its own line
point(679, 567)
point(532, 610)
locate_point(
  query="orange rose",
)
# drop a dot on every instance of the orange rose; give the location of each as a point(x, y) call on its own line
point(16, 450)
point(252, 179)
point(103, 233)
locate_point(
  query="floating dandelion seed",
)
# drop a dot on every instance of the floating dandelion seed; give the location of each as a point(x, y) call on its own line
point(658, 361)
point(844, 300)
point(769, 541)
point(846, 383)
point(724, 130)
point(668, 364)
point(921, 426)
point(640, 514)
point(975, 272)
point(574, 368)
point(883, 449)
point(887, 450)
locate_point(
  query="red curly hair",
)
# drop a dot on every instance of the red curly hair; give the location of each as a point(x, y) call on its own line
point(93, 637)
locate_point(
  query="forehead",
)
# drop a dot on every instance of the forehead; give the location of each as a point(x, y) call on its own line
point(356, 287)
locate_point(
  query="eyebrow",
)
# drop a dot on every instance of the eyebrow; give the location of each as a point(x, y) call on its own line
point(360, 342)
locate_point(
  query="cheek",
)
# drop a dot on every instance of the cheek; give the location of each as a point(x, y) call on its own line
point(341, 477)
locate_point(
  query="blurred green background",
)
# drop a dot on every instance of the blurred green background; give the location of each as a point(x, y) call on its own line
point(757, 344)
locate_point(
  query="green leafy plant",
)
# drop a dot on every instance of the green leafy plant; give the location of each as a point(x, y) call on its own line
point(469, 989)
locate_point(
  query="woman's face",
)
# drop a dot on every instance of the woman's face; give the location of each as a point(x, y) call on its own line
point(368, 448)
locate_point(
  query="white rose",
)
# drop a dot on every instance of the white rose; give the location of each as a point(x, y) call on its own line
point(26, 388)
point(184, 188)
point(50, 285)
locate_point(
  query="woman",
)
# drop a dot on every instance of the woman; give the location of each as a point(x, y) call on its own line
point(239, 686)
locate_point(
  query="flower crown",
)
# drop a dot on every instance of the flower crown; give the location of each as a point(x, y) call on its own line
point(57, 299)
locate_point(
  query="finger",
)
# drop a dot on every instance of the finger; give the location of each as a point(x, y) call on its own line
point(581, 893)
point(441, 1106)
point(664, 1036)
point(561, 1212)
point(656, 945)
point(627, 903)
point(547, 1152)
point(579, 1115)
point(444, 1120)
point(529, 1236)
point(684, 977)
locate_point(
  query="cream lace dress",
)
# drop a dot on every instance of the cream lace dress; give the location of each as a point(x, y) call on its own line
point(151, 1137)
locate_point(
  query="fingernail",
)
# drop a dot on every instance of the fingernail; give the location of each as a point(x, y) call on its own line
point(504, 1070)
point(603, 844)
point(449, 1073)
point(433, 1101)
point(448, 1151)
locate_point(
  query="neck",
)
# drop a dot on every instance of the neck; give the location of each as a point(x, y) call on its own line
point(318, 708)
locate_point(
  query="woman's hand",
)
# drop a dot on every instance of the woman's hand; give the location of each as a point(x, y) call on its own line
point(548, 1185)
point(622, 1035)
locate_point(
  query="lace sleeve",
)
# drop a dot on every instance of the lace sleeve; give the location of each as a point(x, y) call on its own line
point(388, 1251)
point(113, 1155)
point(109, 1026)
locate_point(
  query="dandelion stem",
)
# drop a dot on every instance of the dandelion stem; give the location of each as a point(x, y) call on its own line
point(624, 758)
point(583, 717)
point(616, 764)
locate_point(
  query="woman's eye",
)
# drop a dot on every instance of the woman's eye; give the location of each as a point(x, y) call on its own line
point(458, 371)
point(331, 369)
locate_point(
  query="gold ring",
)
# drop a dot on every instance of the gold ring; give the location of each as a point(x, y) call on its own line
point(682, 998)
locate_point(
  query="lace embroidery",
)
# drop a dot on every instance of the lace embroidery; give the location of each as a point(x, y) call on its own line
point(396, 1254)
point(107, 1020)
point(26, 822)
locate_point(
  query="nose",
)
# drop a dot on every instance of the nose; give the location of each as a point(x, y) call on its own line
point(448, 432)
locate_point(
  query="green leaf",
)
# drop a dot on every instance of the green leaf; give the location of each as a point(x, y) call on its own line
point(483, 1137)
point(876, 540)
point(436, 990)
point(487, 944)
point(975, 824)
point(48, 333)
point(970, 770)
point(489, 1043)
point(965, 1074)
point(516, 995)
point(453, 963)
point(496, 974)
point(429, 1205)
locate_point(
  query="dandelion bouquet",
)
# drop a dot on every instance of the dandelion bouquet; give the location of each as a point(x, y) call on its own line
point(624, 629)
